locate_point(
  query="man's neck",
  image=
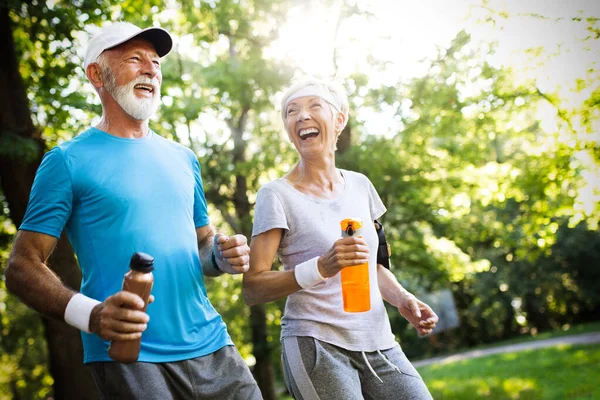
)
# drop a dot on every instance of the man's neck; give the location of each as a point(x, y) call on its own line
point(125, 127)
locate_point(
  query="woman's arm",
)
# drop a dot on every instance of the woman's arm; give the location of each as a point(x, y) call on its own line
point(260, 284)
point(419, 314)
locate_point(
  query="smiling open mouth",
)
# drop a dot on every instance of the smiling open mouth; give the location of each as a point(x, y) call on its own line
point(308, 133)
point(145, 87)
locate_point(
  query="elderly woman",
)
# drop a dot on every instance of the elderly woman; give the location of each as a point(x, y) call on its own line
point(328, 353)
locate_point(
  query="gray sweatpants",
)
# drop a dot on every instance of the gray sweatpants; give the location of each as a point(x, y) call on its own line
point(316, 370)
point(222, 375)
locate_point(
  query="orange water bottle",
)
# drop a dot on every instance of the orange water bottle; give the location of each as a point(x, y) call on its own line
point(355, 280)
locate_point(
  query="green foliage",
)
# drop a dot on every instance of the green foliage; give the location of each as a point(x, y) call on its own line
point(18, 147)
point(23, 353)
point(50, 64)
point(24, 372)
point(525, 375)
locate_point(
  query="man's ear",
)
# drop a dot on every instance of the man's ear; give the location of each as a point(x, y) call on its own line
point(94, 75)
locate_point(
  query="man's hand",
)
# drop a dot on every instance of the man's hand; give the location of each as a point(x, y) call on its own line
point(419, 314)
point(232, 253)
point(120, 317)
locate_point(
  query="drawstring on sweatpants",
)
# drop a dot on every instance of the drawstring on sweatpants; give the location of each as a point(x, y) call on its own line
point(388, 362)
point(369, 365)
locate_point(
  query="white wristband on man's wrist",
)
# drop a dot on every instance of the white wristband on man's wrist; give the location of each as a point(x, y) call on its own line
point(78, 312)
point(307, 274)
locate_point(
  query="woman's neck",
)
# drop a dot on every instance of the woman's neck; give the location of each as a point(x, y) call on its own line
point(321, 180)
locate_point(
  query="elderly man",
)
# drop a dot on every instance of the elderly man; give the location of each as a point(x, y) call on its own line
point(119, 188)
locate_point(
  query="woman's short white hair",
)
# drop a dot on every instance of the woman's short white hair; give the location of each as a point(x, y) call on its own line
point(332, 90)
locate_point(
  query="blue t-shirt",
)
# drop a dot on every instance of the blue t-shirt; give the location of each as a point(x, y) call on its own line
point(115, 196)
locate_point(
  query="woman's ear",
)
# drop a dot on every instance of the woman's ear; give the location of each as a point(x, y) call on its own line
point(340, 122)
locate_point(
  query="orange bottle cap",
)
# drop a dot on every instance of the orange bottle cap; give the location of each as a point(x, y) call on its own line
point(350, 226)
point(356, 223)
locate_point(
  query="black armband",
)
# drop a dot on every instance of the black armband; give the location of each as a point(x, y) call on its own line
point(383, 254)
point(214, 262)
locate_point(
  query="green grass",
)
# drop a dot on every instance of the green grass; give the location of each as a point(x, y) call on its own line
point(562, 372)
point(566, 331)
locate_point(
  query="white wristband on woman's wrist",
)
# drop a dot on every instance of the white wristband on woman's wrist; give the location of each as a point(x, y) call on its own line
point(307, 274)
point(78, 312)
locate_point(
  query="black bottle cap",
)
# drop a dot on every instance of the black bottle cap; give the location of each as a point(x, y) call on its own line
point(350, 230)
point(141, 262)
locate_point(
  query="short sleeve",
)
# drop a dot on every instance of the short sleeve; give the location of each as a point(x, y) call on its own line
point(375, 203)
point(51, 197)
point(200, 208)
point(269, 212)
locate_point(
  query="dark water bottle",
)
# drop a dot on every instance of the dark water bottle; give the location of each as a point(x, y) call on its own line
point(139, 280)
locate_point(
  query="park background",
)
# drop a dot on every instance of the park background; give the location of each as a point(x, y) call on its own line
point(477, 121)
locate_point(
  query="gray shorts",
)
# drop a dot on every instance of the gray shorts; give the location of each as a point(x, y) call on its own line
point(220, 375)
point(316, 370)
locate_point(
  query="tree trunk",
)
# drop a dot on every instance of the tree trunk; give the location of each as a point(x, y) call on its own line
point(71, 380)
point(535, 313)
point(263, 370)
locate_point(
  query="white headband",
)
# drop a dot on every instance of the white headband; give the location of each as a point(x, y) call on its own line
point(315, 91)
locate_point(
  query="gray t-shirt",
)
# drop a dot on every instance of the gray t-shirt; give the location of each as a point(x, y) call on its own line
point(310, 227)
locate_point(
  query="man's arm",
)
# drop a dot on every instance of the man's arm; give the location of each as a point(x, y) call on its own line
point(28, 276)
point(220, 253)
point(119, 317)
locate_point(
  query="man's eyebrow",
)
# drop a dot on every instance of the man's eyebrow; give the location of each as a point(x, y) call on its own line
point(153, 54)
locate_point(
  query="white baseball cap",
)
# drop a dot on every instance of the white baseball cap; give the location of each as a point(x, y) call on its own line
point(120, 32)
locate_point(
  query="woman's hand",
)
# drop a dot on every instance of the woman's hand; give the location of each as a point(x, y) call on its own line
point(419, 314)
point(345, 252)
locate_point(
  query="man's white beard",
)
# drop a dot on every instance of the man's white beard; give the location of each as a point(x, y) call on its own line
point(140, 109)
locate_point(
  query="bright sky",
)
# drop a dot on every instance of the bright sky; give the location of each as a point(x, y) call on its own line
point(402, 32)
point(405, 32)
